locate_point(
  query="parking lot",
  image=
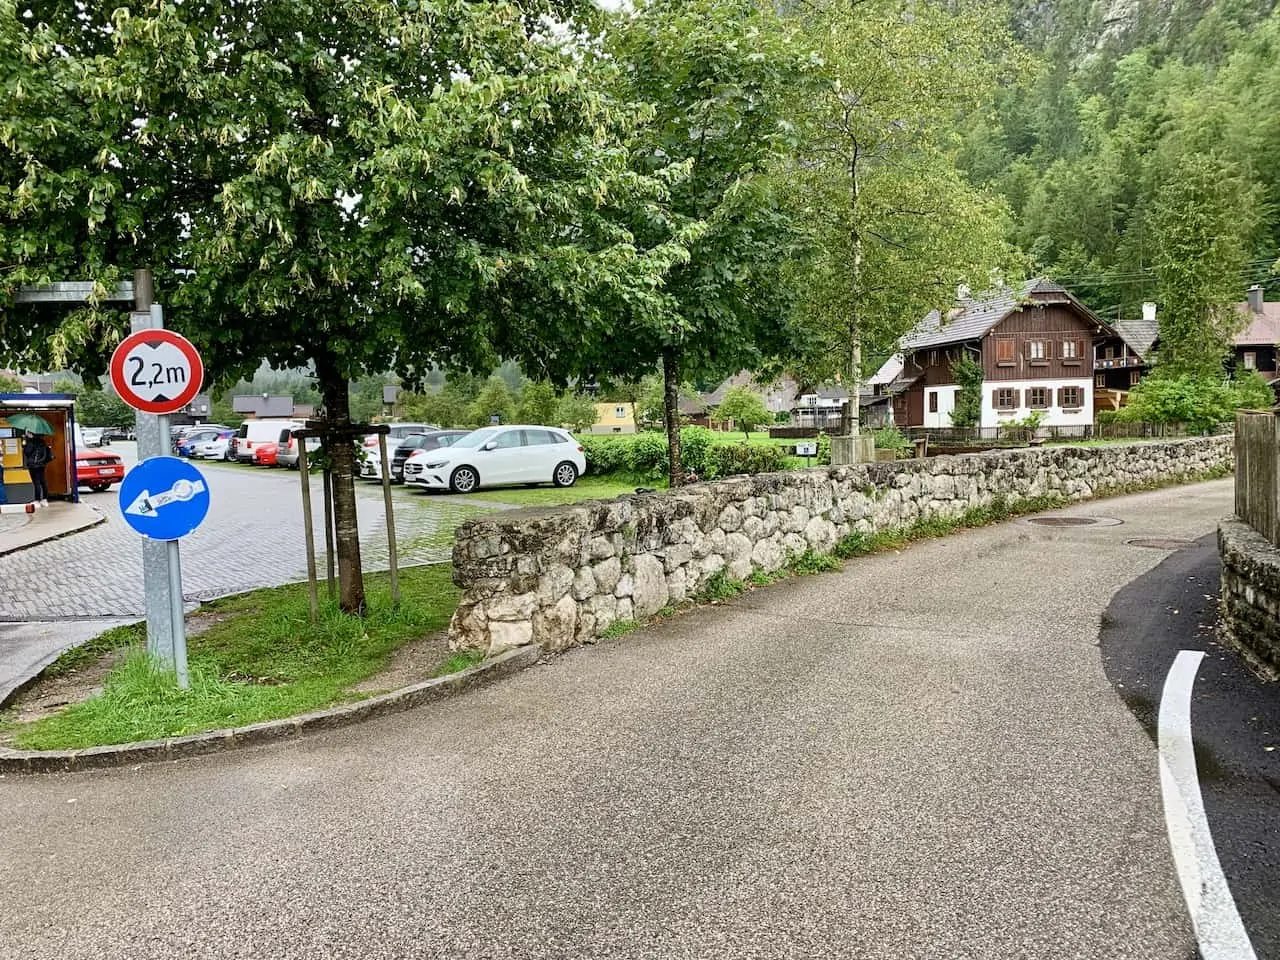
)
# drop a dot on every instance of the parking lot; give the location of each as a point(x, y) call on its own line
point(252, 537)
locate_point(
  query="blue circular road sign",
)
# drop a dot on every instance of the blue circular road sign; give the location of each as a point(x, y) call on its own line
point(164, 498)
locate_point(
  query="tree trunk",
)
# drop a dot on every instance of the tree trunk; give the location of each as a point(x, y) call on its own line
point(340, 446)
point(671, 412)
point(853, 368)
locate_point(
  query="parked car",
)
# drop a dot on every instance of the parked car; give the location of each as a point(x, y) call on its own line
point(266, 454)
point(253, 433)
point(432, 440)
point(188, 442)
point(215, 449)
point(289, 446)
point(93, 436)
point(119, 433)
point(494, 456)
point(95, 469)
point(370, 465)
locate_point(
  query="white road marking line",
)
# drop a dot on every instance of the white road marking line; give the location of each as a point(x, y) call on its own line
point(1214, 916)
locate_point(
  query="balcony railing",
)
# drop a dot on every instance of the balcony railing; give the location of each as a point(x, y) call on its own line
point(1116, 363)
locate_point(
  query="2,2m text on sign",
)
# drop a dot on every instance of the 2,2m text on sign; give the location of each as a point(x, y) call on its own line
point(156, 371)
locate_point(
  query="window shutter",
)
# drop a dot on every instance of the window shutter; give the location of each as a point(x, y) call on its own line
point(1062, 396)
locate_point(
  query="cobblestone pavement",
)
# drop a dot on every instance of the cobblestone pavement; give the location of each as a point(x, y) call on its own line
point(253, 537)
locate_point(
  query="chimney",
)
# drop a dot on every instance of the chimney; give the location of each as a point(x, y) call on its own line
point(1148, 312)
point(963, 292)
point(1255, 298)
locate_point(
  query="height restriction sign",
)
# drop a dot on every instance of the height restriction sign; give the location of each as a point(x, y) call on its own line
point(156, 371)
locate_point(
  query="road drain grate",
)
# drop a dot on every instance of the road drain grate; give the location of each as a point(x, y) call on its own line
point(1063, 521)
point(1160, 543)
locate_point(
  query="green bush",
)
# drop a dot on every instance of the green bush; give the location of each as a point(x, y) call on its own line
point(891, 438)
point(730, 459)
point(1198, 401)
point(824, 448)
point(647, 455)
point(1252, 392)
point(695, 444)
point(1106, 417)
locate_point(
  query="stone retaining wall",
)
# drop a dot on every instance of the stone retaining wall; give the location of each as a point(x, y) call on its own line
point(562, 576)
point(1250, 607)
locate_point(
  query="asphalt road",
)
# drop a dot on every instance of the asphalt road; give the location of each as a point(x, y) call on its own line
point(1235, 721)
point(919, 757)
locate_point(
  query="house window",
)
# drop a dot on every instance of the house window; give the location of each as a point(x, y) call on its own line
point(620, 413)
point(1071, 351)
point(1251, 361)
point(1006, 352)
point(1070, 398)
point(1038, 398)
point(933, 402)
point(1100, 380)
point(1037, 352)
point(1134, 377)
point(933, 357)
point(1111, 353)
point(1006, 399)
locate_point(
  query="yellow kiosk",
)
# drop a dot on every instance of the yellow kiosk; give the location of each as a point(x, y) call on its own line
point(58, 409)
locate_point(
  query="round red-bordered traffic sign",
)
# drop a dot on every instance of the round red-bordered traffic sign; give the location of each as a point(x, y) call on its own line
point(156, 371)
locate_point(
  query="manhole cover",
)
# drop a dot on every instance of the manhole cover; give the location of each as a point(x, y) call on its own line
point(1160, 543)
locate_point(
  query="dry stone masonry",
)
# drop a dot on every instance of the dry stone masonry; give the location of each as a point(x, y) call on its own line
point(562, 576)
point(1250, 595)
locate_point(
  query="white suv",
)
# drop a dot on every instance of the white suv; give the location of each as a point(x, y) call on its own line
point(493, 456)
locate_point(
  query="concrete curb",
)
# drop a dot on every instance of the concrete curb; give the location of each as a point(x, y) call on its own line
point(213, 741)
point(98, 518)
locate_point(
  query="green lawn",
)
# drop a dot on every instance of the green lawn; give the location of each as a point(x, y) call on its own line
point(260, 659)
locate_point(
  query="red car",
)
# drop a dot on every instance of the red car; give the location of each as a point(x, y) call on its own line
point(97, 469)
point(266, 455)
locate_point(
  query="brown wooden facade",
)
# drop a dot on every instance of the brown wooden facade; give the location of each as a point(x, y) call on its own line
point(1053, 342)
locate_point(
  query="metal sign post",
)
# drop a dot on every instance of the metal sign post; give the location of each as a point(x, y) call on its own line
point(161, 569)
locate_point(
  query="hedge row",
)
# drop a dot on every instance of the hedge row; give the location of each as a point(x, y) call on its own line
point(644, 455)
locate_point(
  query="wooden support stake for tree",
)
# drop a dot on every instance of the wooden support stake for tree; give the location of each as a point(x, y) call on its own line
point(328, 530)
point(304, 473)
point(392, 559)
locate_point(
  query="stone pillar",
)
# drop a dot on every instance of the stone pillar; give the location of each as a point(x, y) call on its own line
point(852, 446)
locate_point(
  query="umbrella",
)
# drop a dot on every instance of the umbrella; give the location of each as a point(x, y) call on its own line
point(29, 422)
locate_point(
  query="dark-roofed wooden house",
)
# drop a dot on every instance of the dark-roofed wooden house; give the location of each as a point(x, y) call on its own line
point(1035, 345)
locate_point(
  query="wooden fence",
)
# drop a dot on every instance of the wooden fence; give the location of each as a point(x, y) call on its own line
point(1258, 472)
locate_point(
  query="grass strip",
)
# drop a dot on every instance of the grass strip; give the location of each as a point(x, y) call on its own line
point(261, 659)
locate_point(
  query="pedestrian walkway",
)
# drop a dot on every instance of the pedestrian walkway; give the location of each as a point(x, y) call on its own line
point(18, 531)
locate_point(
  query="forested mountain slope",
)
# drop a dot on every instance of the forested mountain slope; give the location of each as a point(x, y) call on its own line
point(1144, 119)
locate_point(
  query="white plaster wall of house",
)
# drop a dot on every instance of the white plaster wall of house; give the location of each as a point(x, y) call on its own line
point(562, 576)
point(1055, 414)
point(944, 399)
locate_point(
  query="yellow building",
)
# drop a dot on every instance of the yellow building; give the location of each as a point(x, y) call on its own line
point(614, 418)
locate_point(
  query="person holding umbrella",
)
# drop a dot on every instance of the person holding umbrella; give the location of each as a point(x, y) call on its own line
point(36, 454)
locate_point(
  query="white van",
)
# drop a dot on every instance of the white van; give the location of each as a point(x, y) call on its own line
point(253, 433)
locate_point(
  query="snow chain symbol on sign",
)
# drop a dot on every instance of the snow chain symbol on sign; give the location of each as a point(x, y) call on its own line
point(156, 371)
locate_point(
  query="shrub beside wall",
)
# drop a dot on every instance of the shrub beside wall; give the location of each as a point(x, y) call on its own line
point(562, 576)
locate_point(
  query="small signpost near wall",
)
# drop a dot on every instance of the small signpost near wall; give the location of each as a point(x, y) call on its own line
point(808, 450)
point(158, 372)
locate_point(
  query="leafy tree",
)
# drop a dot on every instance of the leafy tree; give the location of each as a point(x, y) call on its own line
point(722, 77)
point(744, 407)
point(1203, 219)
point(895, 224)
point(1252, 392)
point(577, 410)
point(968, 373)
point(352, 185)
point(493, 400)
point(101, 407)
point(538, 403)
point(10, 383)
